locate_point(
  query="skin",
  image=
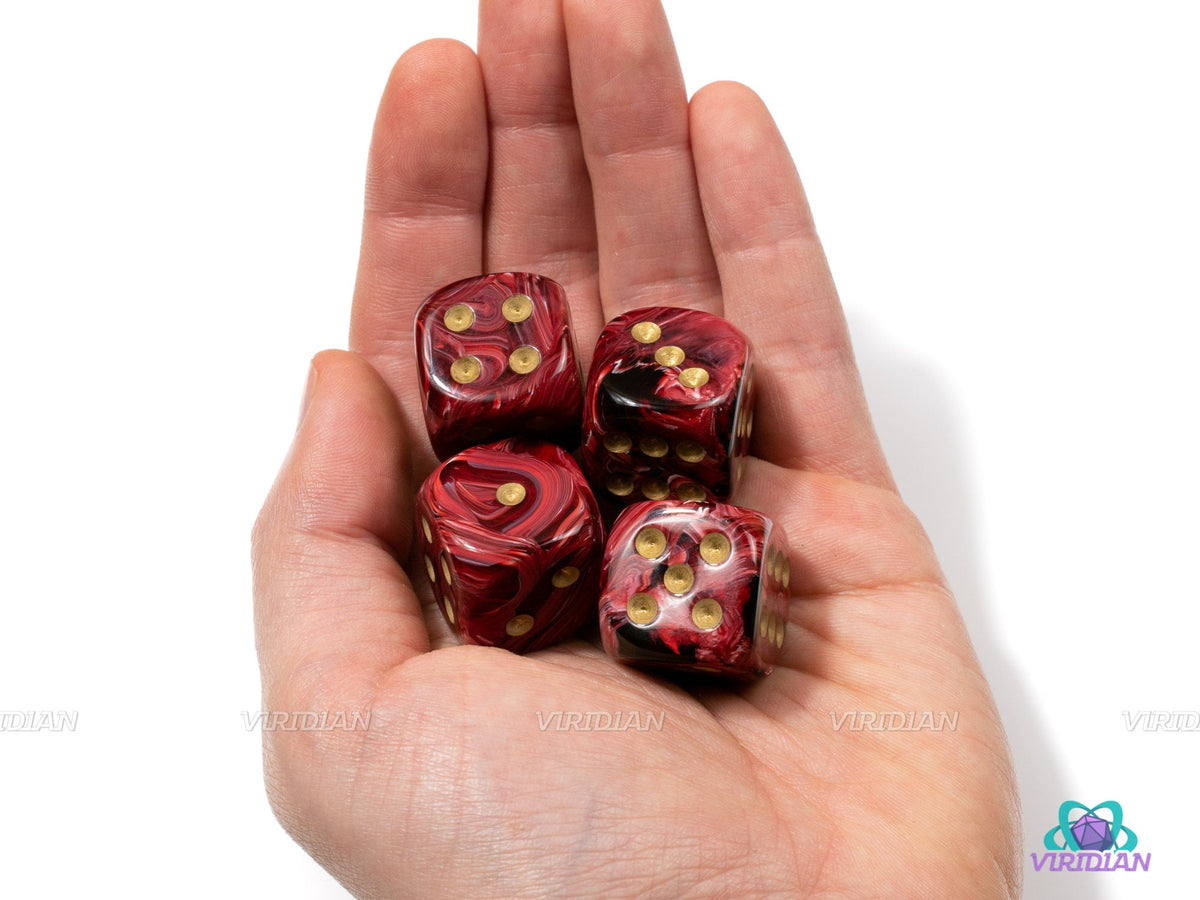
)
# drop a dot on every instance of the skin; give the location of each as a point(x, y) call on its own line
point(568, 146)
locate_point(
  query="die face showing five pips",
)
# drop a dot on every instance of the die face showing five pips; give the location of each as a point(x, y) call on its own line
point(668, 406)
point(510, 532)
point(511, 540)
point(698, 587)
point(497, 359)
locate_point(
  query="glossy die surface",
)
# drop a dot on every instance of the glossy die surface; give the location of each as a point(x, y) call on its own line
point(511, 540)
point(497, 360)
point(668, 406)
point(695, 586)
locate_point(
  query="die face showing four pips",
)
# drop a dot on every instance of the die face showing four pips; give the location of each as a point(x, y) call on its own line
point(497, 359)
point(510, 532)
point(697, 587)
point(668, 407)
point(511, 540)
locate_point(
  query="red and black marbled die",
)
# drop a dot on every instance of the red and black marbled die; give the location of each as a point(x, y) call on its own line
point(669, 405)
point(699, 587)
point(497, 360)
point(511, 540)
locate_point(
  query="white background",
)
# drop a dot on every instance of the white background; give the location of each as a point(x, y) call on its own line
point(1007, 193)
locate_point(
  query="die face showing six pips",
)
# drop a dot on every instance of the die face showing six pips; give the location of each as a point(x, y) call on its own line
point(668, 406)
point(497, 359)
point(700, 587)
point(511, 540)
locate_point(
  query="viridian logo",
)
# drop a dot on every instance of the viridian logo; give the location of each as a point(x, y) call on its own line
point(1091, 839)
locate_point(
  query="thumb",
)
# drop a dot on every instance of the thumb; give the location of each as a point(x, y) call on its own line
point(333, 607)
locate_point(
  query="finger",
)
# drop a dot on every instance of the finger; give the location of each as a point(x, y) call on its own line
point(331, 602)
point(539, 215)
point(422, 226)
point(632, 108)
point(779, 291)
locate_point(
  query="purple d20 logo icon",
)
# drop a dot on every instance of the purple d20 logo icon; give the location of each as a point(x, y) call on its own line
point(1092, 833)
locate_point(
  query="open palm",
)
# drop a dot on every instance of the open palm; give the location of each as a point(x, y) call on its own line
point(568, 147)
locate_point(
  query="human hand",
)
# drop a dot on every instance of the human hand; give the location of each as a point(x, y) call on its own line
point(584, 161)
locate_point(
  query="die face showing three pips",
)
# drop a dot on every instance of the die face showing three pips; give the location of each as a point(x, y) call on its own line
point(668, 407)
point(511, 540)
point(697, 587)
point(497, 359)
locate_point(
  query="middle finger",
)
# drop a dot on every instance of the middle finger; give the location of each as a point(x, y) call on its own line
point(539, 214)
point(632, 109)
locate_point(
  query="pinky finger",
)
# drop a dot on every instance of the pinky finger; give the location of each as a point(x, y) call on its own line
point(778, 289)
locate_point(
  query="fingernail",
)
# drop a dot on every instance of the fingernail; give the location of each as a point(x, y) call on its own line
point(309, 387)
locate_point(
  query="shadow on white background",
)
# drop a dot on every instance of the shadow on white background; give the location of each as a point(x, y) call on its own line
point(923, 436)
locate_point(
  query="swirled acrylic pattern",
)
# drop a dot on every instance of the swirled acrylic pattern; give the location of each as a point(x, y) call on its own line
point(512, 540)
point(496, 359)
point(669, 399)
point(692, 586)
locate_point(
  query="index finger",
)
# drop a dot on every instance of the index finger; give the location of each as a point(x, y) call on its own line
point(423, 219)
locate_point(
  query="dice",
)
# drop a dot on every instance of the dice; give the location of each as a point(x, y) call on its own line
point(511, 540)
point(496, 360)
point(699, 587)
point(668, 407)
